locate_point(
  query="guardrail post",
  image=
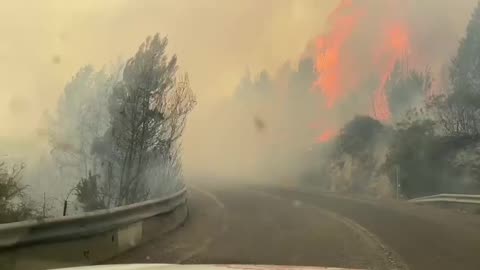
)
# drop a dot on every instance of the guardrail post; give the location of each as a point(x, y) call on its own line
point(397, 188)
point(65, 203)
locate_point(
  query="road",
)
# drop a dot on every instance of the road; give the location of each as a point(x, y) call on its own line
point(288, 226)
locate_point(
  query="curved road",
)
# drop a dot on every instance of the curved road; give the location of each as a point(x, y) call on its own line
point(286, 226)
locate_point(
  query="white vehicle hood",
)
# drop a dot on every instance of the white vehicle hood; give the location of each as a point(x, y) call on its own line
point(198, 267)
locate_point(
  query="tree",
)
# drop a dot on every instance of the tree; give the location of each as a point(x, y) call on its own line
point(148, 110)
point(458, 110)
point(359, 135)
point(406, 89)
point(428, 162)
point(82, 116)
point(254, 92)
point(166, 175)
point(438, 152)
point(412, 153)
point(90, 194)
point(353, 163)
point(302, 79)
point(465, 68)
point(14, 206)
point(457, 113)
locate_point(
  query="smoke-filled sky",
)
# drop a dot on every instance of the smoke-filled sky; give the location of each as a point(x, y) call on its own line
point(45, 42)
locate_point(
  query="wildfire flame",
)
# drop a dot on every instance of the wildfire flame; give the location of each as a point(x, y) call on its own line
point(355, 48)
point(327, 135)
point(332, 64)
point(396, 46)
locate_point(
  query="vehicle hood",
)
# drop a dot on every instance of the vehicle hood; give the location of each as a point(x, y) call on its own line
point(199, 267)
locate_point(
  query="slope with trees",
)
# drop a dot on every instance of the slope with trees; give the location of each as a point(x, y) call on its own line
point(433, 145)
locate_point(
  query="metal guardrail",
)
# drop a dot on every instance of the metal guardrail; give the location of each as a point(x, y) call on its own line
point(91, 223)
point(449, 198)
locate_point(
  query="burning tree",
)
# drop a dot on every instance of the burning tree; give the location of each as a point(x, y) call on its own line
point(354, 39)
point(437, 150)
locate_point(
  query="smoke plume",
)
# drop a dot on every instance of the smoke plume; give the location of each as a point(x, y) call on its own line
point(323, 62)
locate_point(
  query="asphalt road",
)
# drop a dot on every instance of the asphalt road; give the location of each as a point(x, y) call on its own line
point(287, 226)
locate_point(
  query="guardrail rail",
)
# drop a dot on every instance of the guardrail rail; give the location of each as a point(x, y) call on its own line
point(449, 198)
point(90, 237)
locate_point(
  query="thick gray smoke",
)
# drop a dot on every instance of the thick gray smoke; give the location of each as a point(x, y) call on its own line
point(293, 109)
point(251, 128)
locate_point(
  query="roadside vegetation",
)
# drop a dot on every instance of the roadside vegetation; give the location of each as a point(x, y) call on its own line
point(116, 134)
point(14, 205)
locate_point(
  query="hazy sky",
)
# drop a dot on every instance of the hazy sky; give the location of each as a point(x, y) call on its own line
point(45, 42)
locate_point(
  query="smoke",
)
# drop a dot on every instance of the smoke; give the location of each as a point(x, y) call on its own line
point(352, 60)
point(45, 44)
point(260, 130)
point(232, 132)
point(366, 39)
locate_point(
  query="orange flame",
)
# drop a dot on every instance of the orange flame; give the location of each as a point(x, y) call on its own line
point(331, 64)
point(327, 136)
point(396, 46)
point(356, 48)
